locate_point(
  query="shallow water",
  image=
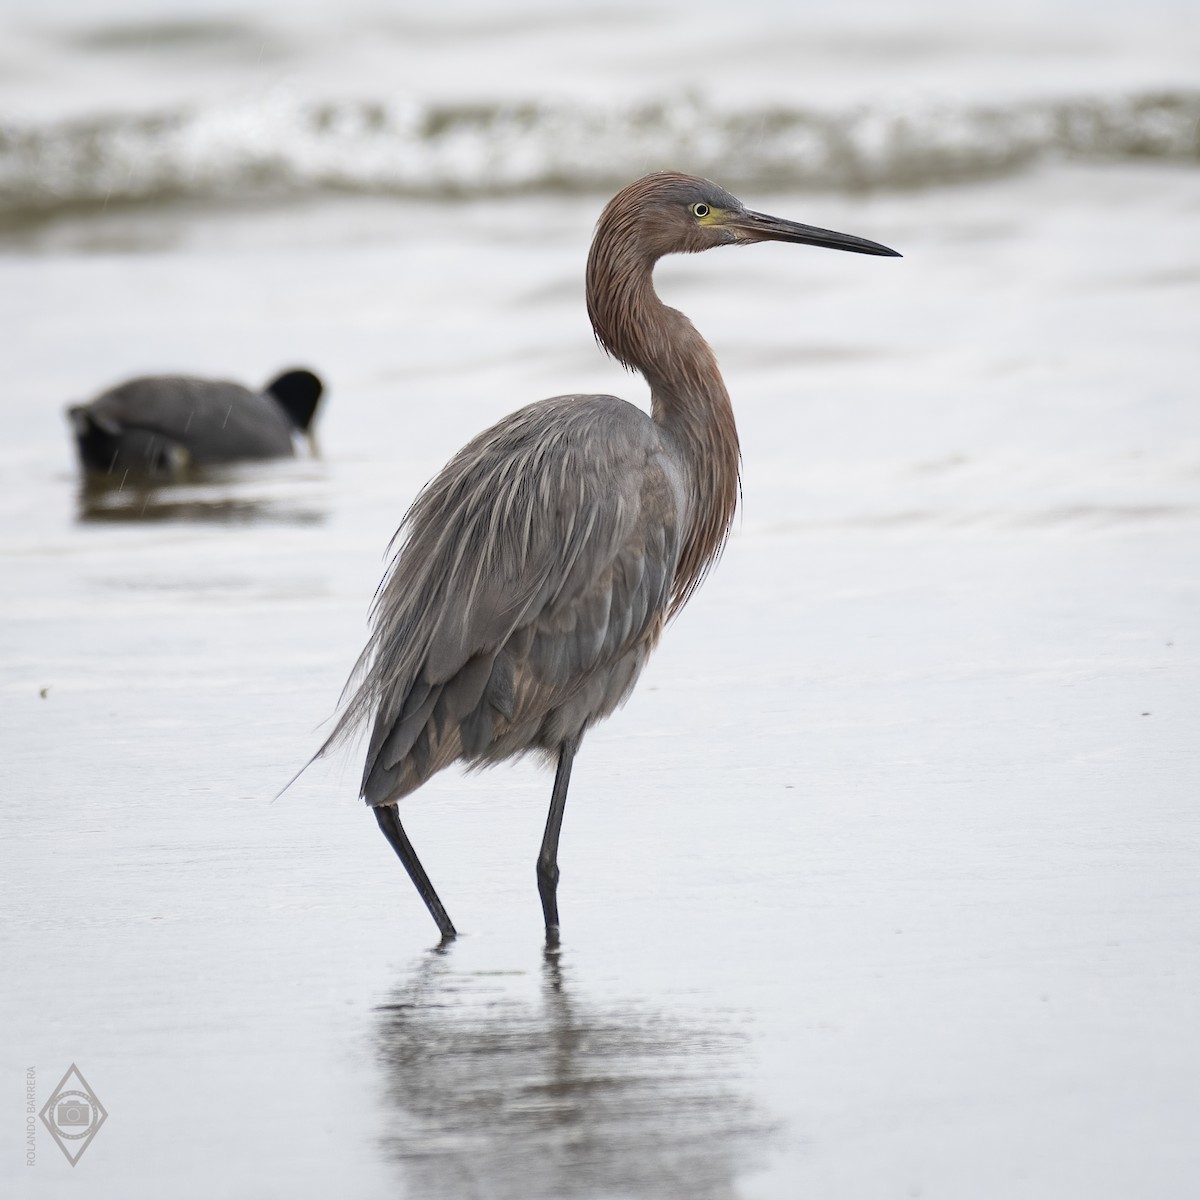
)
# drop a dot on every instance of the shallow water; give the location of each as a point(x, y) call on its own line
point(884, 882)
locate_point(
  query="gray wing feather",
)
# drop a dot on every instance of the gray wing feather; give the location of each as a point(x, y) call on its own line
point(529, 585)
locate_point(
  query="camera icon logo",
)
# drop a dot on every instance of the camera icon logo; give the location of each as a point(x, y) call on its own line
point(72, 1112)
point(73, 1115)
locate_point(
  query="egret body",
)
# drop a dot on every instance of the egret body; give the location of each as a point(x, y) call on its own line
point(535, 573)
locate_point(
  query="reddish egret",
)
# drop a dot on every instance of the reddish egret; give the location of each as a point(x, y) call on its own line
point(535, 573)
point(160, 424)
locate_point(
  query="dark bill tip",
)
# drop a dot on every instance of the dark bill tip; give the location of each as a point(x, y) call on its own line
point(758, 227)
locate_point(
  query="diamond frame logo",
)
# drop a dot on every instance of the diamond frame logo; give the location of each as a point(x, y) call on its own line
point(73, 1114)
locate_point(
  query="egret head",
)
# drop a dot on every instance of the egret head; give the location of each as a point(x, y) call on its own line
point(671, 213)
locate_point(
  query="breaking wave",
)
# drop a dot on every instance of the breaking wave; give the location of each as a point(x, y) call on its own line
point(282, 144)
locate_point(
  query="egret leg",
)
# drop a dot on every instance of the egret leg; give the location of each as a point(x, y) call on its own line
point(547, 863)
point(389, 821)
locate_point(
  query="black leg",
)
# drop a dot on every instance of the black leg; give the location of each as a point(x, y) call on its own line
point(389, 821)
point(547, 863)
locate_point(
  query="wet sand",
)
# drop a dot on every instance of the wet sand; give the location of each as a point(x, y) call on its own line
point(883, 884)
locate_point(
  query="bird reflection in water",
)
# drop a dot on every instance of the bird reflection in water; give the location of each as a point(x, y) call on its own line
point(496, 1096)
point(274, 493)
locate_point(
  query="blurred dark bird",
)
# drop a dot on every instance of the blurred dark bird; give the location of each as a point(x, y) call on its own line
point(162, 424)
point(535, 573)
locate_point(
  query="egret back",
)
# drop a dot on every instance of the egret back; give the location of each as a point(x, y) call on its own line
point(532, 579)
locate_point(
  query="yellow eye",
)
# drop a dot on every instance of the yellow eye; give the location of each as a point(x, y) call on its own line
point(700, 209)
